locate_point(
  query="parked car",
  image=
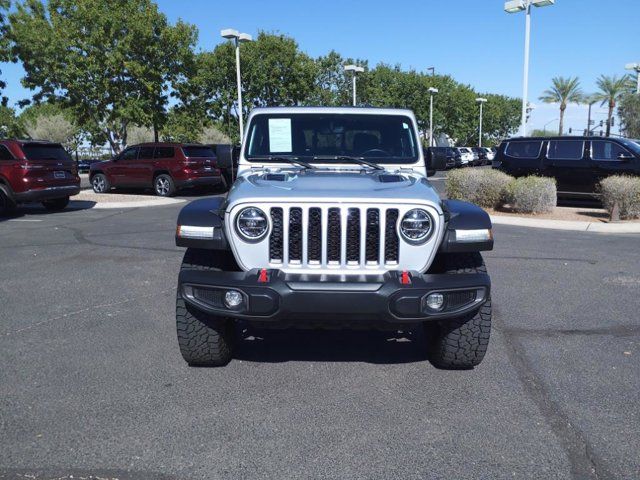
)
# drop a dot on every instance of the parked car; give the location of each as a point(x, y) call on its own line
point(479, 156)
point(490, 154)
point(448, 153)
point(165, 167)
point(466, 156)
point(577, 163)
point(84, 165)
point(36, 171)
point(331, 224)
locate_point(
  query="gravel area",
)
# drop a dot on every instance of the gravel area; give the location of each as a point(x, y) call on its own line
point(564, 213)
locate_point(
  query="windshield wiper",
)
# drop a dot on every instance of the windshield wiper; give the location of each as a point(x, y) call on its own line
point(347, 158)
point(292, 160)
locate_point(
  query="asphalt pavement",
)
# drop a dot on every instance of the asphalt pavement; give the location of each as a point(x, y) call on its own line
point(92, 382)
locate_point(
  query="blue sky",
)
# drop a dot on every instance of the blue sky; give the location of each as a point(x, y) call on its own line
point(475, 41)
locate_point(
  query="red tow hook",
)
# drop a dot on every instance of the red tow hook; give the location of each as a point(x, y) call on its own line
point(262, 276)
point(405, 278)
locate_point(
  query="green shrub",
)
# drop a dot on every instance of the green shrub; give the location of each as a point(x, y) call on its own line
point(623, 190)
point(484, 187)
point(532, 194)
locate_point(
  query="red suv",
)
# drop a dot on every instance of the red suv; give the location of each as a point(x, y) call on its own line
point(165, 167)
point(36, 171)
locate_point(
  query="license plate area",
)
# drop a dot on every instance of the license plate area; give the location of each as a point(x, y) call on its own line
point(59, 174)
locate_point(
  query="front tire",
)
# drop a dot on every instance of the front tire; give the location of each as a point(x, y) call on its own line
point(461, 343)
point(100, 183)
point(164, 186)
point(204, 339)
point(56, 205)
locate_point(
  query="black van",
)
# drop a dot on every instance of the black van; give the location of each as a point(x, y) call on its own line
point(577, 163)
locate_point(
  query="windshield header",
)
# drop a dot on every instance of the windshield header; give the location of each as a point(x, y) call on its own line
point(326, 137)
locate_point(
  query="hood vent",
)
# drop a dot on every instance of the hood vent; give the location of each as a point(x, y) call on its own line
point(391, 178)
point(275, 177)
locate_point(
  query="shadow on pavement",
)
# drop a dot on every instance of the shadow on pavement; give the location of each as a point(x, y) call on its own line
point(25, 210)
point(371, 346)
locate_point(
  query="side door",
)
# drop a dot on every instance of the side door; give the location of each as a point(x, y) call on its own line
point(121, 171)
point(606, 159)
point(568, 163)
point(523, 157)
point(145, 166)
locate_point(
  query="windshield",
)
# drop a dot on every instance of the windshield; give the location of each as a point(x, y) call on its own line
point(198, 152)
point(378, 138)
point(44, 151)
point(632, 145)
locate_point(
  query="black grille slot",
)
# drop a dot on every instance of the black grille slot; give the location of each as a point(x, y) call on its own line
point(459, 299)
point(391, 240)
point(333, 235)
point(275, 240)
point(295, 234)
point(353, 235)
point(211, 297)
point(314, 240)
point(373, 235)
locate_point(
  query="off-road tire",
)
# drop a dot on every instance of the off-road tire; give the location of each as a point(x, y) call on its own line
point(56, 204)
point(204, 339)
point(100, 183)
point(163, 185)
point(461, 343)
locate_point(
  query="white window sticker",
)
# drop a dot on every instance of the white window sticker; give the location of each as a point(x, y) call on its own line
point(280, 135)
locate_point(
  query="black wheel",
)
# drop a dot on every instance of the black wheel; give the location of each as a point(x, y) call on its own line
point(56, 204)
point(164, 185)
point(461, 343)
point(7, 205)
point(204, 339)
point(100, 183)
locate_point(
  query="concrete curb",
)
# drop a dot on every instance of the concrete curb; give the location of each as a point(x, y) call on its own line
point(156, 202)
point(572, 225)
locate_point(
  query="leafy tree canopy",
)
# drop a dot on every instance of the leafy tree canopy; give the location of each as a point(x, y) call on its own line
point(110, 62)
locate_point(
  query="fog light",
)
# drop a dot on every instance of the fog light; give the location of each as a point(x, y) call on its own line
point(435, 301)
point(232, 298)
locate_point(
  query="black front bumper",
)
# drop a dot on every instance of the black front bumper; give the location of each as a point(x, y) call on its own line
point(49, 193)
point(336, 298)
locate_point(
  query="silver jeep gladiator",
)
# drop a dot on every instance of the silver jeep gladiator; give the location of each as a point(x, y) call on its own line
point(332, 222)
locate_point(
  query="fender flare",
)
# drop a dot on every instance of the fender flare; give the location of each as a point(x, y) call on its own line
point(206, 213)
point(465, 216)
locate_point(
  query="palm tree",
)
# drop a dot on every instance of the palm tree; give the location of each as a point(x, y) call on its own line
point(611, 89)
point(563, 91)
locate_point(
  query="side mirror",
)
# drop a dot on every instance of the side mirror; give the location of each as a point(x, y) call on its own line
point(436, 160)
point(625, 157)
point(235, 154)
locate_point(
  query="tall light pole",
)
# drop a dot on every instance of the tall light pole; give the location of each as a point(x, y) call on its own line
point(515, 6)
point(481, 101)
point(355, 70)
point(636, 68)
point(545, 125)
point(238, 38)
point(433, 70)
point(432, 92)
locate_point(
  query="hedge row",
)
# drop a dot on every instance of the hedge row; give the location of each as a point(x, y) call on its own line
point(623, 191)
point(493, 189)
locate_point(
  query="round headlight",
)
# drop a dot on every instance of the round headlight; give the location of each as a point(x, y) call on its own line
point(416, 226)
point(252, 224)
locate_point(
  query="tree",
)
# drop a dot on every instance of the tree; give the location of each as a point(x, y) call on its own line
point(5, 52)
point(629, 112)
point(10, 124)
point(333, 86)
point(610, 91)
point(137, 134)
point(563, 91)
point(111, 63)
point(274, 72)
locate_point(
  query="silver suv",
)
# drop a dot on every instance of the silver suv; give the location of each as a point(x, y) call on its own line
point(333, 222)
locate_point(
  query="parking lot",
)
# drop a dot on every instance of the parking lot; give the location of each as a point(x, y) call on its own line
point(93, 383)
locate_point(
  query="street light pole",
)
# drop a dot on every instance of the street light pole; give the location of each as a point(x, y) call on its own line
point(238, 38)
point(432, 91)
point(514, 6)
point(356, 70)
point(481, 101)
point(635, 67)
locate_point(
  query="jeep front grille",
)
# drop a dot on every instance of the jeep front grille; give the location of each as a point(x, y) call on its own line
point(334, 236)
